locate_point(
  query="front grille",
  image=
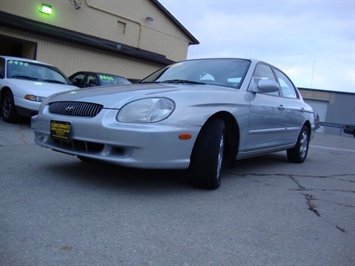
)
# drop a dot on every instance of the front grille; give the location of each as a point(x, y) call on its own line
point(75, 108)
point(79, 146)
point(85, 147)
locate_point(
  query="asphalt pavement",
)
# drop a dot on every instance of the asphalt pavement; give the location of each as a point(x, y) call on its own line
point(57, 210)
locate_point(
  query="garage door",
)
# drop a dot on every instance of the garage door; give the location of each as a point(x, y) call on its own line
point(321, 108)
point(17, 47)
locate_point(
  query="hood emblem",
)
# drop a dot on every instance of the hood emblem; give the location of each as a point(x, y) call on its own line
point(69, 109)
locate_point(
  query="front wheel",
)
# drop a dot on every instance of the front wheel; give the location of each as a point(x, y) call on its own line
point(207, 155)
point(8, 110)
point(299, 153)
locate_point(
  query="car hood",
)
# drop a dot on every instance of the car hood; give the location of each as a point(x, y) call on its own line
point(39, 88)
point(117, 96)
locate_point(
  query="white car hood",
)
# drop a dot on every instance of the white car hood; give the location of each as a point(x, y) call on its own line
point(39, 88)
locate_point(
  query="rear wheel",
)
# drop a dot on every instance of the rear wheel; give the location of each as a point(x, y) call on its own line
point(207, 155)
point(298, 154)
point(8, 110)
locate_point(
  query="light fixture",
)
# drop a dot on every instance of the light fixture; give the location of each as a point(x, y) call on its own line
point(76, 4)
point(150, 19)
point(46, 9)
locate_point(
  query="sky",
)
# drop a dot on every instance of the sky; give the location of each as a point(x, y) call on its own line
point(312, 41)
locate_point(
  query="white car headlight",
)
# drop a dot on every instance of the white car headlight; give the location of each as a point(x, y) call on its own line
point(34, 98)
point(147, 110)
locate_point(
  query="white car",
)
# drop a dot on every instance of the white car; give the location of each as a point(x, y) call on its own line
point(24, 83)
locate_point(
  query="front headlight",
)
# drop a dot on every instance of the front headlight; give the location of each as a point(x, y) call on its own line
point(34, 98)
point(147, 110)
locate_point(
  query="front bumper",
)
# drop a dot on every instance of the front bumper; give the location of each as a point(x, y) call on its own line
point(26, 108)
point(151, 145)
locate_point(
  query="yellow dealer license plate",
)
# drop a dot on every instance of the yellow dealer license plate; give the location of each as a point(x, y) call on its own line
point(60, 130)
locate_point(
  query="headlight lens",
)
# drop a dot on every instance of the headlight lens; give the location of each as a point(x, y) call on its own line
point(34, 98)
point(147, 110)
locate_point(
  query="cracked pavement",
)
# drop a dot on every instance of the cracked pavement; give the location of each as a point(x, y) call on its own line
point(56, 210)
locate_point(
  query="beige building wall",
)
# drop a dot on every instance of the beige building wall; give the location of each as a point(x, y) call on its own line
point(120, 21)
point(71, 58)
point(327, 96)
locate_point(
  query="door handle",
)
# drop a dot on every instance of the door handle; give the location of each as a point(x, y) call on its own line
point(302, 110)
point(281, 107)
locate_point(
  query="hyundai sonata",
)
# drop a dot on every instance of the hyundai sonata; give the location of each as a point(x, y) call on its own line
point(200, 115)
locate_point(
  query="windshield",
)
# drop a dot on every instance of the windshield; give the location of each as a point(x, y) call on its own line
point(32, 71)
point(222, 72)
point(107, 79)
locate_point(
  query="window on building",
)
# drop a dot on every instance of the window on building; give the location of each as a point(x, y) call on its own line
point(121, 27)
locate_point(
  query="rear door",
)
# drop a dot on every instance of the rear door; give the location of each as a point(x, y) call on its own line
point(292, 104)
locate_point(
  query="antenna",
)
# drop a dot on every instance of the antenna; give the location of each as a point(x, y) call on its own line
point(314, 63)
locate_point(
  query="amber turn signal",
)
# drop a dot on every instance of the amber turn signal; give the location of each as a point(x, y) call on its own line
point(185, 136)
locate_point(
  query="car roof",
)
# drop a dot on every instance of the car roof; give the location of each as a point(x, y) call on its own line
point(220, 58)
point(253, 61)
point(23, 59)
point(96, 73)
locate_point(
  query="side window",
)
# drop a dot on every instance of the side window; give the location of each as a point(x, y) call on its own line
point(78, 80)
point(287, 88)
point(263, 71)
point(91, 81)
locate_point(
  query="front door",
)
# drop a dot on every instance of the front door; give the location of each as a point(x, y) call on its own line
point(267, 115)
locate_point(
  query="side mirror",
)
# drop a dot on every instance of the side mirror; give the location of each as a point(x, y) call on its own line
point(266, 86)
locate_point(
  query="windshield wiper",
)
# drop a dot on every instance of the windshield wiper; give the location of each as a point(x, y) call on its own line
point(180, 81)
point(54, 81)
point(24, 77)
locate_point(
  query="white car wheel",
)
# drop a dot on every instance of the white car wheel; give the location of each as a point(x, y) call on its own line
point(8, 110)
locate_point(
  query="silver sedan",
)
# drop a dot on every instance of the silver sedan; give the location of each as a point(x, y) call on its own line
point(199, 114)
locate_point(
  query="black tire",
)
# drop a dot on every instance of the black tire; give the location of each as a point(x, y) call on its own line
point(8, 110)
point(207, 155)
point(298, 154)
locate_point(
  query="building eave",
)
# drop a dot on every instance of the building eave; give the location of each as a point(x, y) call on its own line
point(176, 22)
point(326, 91)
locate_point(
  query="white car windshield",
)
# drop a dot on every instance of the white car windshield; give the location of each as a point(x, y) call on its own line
point(18, 69)
point(221, 72)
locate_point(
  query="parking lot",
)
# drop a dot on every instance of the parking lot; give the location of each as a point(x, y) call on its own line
point(57, 210)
